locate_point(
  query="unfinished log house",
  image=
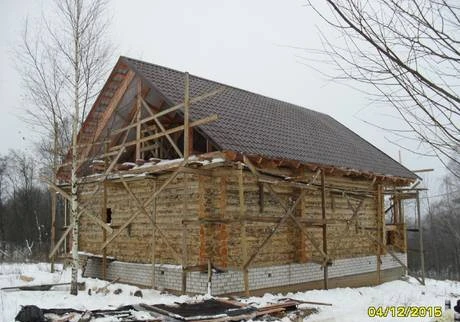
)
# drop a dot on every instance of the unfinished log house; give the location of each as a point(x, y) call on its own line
point(185, 181)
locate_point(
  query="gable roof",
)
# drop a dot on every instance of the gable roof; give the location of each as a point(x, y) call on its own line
point(254, 124)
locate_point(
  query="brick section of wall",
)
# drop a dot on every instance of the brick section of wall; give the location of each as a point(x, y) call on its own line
point(169, 276)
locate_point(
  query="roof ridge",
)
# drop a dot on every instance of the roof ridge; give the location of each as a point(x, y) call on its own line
point(229, 86)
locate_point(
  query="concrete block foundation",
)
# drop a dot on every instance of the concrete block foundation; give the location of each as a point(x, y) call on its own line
point(358, 271)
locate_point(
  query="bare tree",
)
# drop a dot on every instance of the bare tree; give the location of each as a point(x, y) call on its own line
point(3, 164)
point(63, 66)
point(408, 52)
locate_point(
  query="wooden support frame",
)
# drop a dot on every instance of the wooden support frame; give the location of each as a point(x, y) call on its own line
point(162, 129)
point(184, 255)
point(289, 212)
point(380, 218)
point(244, 241)
point(154, 240)
point(179, 128)
point(420, 235)
point(146, 204)
point(352, 220)
point(172, 109)
point(144, 211)
point(110, 108)
point(138, 119)
point(371, 237)
point(324, 228)
point(69, 228)
point(83, 209)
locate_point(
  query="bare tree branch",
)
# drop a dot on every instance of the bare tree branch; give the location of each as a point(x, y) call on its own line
point(409, 52)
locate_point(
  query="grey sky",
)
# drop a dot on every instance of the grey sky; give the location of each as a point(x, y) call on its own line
point(240, 43)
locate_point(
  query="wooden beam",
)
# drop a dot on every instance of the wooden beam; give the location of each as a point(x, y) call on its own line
point(186, 116)
point(154, 218)
point(163, 130)
point(371, 237)
point(172, 109)
point(111, 108)
point(53, 221)
point(82, 208)
point(309, 236)
point(420, 235)
point(145, 212)
point(184, 259)
point(223, 233)
point(60, 241)
point(138, 119)
point(179, 128)
point(323, 217)
point(274, 230)
point(68, 229)
point(104, 233)
point(380, 230)
point(244, 241)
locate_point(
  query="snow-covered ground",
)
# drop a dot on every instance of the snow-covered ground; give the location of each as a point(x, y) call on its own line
point(348, 304)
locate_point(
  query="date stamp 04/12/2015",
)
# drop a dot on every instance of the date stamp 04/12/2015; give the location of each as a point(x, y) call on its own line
point(404, 311)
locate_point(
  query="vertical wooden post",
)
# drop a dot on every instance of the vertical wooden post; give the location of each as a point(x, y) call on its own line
point(65, 223)
point(186, 117)
point(104, 214)
point(323, 216)
point(138, 120)
point(223, 233)
point(420, 235)
point(184, 236)
point(244, 242)
point(104, 232)
point(154, 218)
point(53, 224)
point(186, 155)
point(300, 212)
point(380, 230)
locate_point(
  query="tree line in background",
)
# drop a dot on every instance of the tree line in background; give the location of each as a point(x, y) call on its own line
point(441, 234)
point(25, 220)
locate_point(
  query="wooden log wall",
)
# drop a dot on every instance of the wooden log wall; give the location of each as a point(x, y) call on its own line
point(214, 223)
point(134, 244)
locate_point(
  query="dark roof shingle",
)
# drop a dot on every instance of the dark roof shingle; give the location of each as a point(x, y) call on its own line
point(255, 124)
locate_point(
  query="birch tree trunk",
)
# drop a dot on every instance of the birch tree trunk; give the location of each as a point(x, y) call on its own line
point(74, 178)
point(63, 62)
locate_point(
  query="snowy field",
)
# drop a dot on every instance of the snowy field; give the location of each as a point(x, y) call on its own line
point(348, 304)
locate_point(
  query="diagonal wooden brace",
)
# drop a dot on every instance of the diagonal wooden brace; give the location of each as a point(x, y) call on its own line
point(274, 230)
point(83, 209)
point(273, 193)
point(163, 130)
point(145, 212)
point(369, 236)
point(146, 204)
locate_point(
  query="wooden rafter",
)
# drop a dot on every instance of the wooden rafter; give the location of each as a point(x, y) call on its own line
point(179, 128)
point(162, 129)
point(172, 109)
point(110, 108)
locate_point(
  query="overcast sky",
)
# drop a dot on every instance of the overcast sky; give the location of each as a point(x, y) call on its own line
point(247, 44)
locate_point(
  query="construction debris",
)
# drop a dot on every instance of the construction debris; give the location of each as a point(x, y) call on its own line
point(209, 310)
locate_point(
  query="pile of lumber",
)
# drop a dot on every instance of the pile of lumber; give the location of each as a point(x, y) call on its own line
point(209, 310)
